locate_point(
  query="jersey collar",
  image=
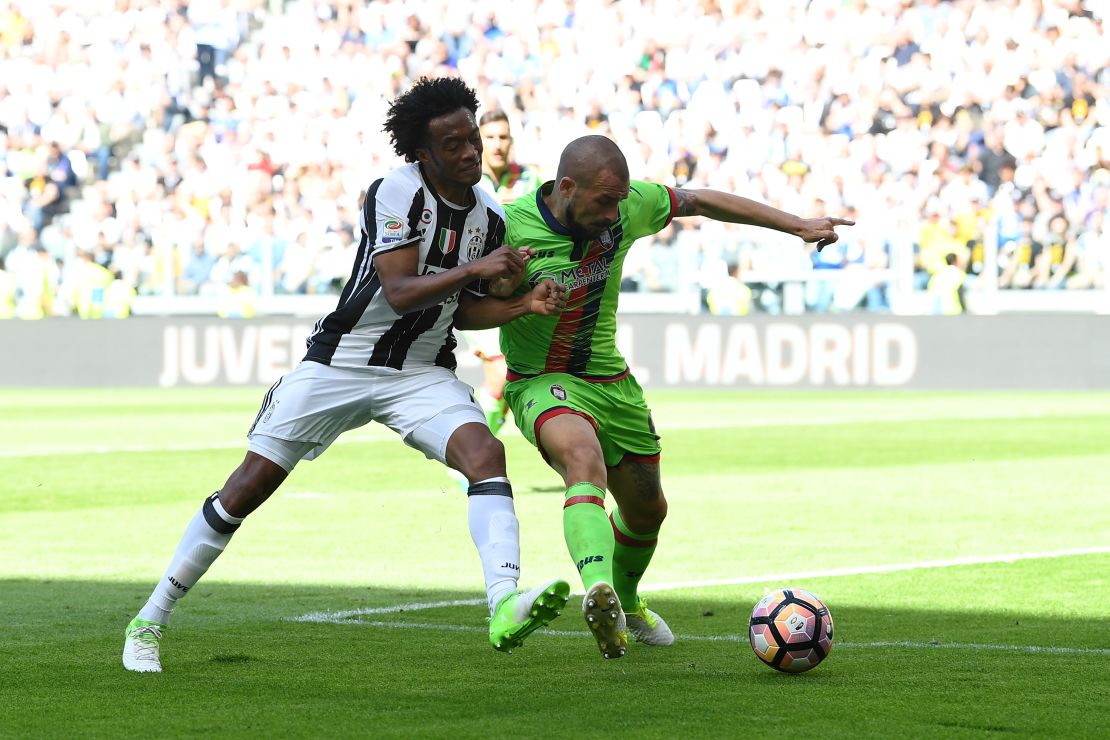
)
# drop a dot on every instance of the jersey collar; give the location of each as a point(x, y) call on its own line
point(548, 216)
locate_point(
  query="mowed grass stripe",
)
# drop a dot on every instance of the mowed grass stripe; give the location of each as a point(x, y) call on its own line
point(37, 421)
point(59, 482)
point(77, 436)
point(78, 483)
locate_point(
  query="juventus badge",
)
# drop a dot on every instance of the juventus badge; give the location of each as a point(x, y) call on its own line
point(476, 244)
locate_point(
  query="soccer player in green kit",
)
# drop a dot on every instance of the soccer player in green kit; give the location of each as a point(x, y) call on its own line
point(571, 392)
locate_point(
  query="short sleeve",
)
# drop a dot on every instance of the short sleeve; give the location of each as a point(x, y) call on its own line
point(495, 238)
point(649, 208)
point(386, 215)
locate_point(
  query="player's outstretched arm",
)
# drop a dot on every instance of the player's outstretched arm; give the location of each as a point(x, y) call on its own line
point(407, 291)
point(548, 298)
point(721, 206)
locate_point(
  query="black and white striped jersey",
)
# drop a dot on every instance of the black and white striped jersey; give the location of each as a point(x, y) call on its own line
point(401, 210)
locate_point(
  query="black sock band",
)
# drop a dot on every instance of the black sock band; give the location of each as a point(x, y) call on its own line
point(491, 488)
point(213, 518)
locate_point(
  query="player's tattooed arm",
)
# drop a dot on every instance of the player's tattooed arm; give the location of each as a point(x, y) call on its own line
point(686, 202)
point(721, 206)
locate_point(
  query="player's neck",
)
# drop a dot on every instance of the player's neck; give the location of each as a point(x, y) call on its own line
point(454, 192)
point(555, 205)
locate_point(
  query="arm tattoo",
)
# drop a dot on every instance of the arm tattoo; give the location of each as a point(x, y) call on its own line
point(686, 202)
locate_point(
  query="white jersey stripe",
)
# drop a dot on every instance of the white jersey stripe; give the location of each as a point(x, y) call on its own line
point(401, 210)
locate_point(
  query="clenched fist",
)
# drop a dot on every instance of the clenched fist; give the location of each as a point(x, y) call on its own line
point(548, 298)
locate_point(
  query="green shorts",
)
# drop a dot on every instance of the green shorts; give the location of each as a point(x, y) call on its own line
point(617, 410)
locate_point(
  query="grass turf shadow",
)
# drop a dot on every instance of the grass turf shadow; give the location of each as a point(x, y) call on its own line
point(235, 665)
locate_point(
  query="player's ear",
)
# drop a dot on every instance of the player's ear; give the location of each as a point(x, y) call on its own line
point(566, 187)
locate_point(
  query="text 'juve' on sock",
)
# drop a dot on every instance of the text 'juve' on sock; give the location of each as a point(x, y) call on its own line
point(496, 534)
point(205, 537)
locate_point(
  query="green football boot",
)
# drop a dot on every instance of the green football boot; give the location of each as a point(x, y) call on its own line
point(140, 646)
point(520, 614)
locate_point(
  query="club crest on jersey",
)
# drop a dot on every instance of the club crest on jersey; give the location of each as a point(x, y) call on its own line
point(606, 239)
point(559, 392)
point(448, 238)
point(476, 245)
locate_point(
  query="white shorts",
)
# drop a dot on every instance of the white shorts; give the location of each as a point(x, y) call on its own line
point(484, 343)
point(310, 406)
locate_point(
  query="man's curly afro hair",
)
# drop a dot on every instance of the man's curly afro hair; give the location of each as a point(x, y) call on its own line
point(428, 98)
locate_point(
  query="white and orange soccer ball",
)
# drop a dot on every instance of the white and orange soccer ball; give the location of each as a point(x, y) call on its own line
point(791, 630)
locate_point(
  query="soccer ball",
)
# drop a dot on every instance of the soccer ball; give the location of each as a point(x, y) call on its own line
point(791, 630)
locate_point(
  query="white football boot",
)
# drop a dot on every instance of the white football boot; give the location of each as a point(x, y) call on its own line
point(647, 626)
point(140, 646)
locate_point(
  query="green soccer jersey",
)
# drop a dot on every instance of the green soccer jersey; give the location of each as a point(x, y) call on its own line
point(582, 341)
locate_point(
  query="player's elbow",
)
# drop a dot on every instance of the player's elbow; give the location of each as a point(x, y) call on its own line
point(502, 288)
point(399, 300)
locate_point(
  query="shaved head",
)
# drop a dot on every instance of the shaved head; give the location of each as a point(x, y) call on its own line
point(589, 187)
point(588, 156)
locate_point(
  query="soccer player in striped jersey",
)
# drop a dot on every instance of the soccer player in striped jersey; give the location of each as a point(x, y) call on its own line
point(570, 390)
point(430, 239)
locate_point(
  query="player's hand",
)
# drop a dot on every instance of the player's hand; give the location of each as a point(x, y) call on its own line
point(503, 287)
point(548, 298)
point(503, 262)
point(822, 230)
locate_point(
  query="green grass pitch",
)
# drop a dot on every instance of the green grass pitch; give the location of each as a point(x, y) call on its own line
point(961, 541)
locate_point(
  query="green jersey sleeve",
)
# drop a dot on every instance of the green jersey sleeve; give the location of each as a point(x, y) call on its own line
point(648, 210)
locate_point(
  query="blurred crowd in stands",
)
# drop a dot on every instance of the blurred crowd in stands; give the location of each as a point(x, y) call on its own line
point(220, 147)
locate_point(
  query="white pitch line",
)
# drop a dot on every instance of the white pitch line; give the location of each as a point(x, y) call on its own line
point(770, 578)
point(737, 638)
point(873, 569)
point(342, 617)
point(345, 617)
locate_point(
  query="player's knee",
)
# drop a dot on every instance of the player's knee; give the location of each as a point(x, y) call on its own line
point(659, 511)
point(583, 462)
point(493, 452)
point(646, 515)
point(486, 459)
point(241, 495)
point(250, 485)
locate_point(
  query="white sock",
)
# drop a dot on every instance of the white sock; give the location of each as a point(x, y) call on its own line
point(205, 538)
point(496, 533)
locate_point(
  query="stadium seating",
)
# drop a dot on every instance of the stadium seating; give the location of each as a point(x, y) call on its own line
point(185, 144)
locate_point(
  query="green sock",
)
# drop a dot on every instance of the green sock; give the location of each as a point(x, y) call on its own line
point(589, 536)
point(631, 555)
point(496, 409)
